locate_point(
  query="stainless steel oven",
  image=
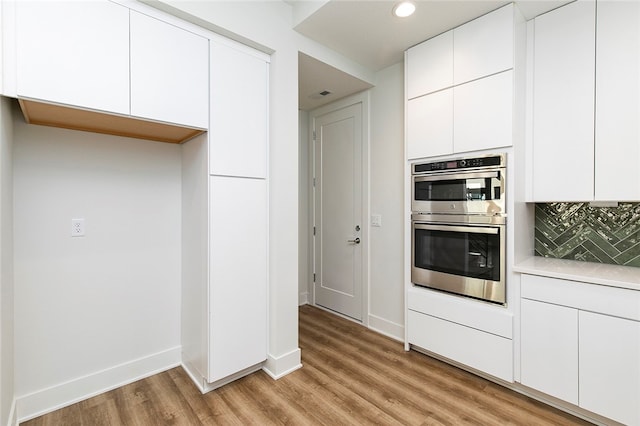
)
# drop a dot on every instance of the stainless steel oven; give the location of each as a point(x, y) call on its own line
point(461, 186)
point(460, 254)
point(459, 226)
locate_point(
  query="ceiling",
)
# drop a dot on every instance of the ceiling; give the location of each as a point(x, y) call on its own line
point(368, 33)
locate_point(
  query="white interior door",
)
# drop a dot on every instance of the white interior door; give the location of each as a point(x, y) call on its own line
point(338, 212)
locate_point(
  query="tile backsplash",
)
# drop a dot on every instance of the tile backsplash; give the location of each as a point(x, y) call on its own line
point(592, 234)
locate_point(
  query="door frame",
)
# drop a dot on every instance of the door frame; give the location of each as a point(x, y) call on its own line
point(362, 98)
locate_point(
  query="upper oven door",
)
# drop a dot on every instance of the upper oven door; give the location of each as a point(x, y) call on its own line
point(480, 192)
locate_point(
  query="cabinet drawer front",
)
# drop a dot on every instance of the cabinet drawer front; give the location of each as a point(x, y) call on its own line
point(614, 301)
point(482, 351)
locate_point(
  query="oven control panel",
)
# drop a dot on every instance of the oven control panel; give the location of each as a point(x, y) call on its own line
point(459, 164)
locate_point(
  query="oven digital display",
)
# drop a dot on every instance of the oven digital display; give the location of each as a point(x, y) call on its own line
point(452, 164)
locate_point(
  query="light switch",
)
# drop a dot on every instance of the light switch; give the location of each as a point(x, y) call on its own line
point(376, 220)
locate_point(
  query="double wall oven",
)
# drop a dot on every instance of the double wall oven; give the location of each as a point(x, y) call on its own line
point(458, 226)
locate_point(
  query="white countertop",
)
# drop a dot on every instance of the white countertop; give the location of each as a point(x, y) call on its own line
point(595, 273)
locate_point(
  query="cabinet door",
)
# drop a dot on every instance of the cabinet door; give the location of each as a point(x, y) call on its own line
point(483, 113)
point(239, 102)
point(430, 65)
point(169, 73)
point(563, 103)
point(610, 367)
point(549, 349)
point(483, 46)
point(74, 53)
point(617, 175)
point(237, 275)
point(430, 125)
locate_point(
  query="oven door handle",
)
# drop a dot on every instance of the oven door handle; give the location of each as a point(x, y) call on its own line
point(454, 176)
point(472, 229)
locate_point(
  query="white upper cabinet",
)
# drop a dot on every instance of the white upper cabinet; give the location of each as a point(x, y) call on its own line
point(563, 103)
point(617, 175)
point(460, 88)
point(430, 65)
point(430, 125)
point(239, 105)
point(482, 113)
point(484, 46)
point(73, 53)
point(169, 73)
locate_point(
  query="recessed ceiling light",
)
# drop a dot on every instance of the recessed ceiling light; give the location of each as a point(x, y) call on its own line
point(404, 9)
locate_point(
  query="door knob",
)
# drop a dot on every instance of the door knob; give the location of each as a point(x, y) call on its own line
point(355, 241)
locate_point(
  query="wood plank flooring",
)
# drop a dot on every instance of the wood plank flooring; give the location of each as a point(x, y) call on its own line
point(350, 376)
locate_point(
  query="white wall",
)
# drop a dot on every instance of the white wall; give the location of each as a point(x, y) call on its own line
point(6, 263)
point(92, 312)
point(386, 290)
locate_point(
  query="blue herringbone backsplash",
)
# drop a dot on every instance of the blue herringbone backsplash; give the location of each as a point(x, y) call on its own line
point(591, 234)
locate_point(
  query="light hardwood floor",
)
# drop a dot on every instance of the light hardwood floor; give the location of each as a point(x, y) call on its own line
point(350, 376)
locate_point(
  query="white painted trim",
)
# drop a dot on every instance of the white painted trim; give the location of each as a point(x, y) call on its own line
point(12, 420)
point(303, 298)
point(64, 394)
point(278, 367)
point(208, 387)
point(386, 327)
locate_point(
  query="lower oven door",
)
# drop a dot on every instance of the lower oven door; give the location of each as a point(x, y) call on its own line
point(464, 259)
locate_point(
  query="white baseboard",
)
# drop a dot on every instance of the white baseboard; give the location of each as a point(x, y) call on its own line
point(303, 299)
point(278, 367)
point(386, 327)
point(59, 396)
point(204, 386)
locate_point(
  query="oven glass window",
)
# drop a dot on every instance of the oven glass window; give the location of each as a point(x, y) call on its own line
point(469, 254)
point(458, 190)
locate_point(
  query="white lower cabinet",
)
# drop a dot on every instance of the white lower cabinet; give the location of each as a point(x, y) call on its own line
point(237, 275)
point(549, 349)
point(481, 351)
point(610, 366)
point(476, 334)
point(580, 342)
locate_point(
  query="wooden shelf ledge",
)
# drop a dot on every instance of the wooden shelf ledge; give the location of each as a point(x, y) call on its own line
point(66, 117)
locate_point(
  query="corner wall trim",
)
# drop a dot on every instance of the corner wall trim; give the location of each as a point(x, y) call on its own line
point(46, 400)
point(386, 327)
point(12, 420)
point(278, 367)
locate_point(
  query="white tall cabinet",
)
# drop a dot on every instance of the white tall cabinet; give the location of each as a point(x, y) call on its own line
point(225, 223)
point(586, 103)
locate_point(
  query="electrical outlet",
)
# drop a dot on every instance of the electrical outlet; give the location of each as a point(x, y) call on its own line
point(77, 227)
point(376, 220)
